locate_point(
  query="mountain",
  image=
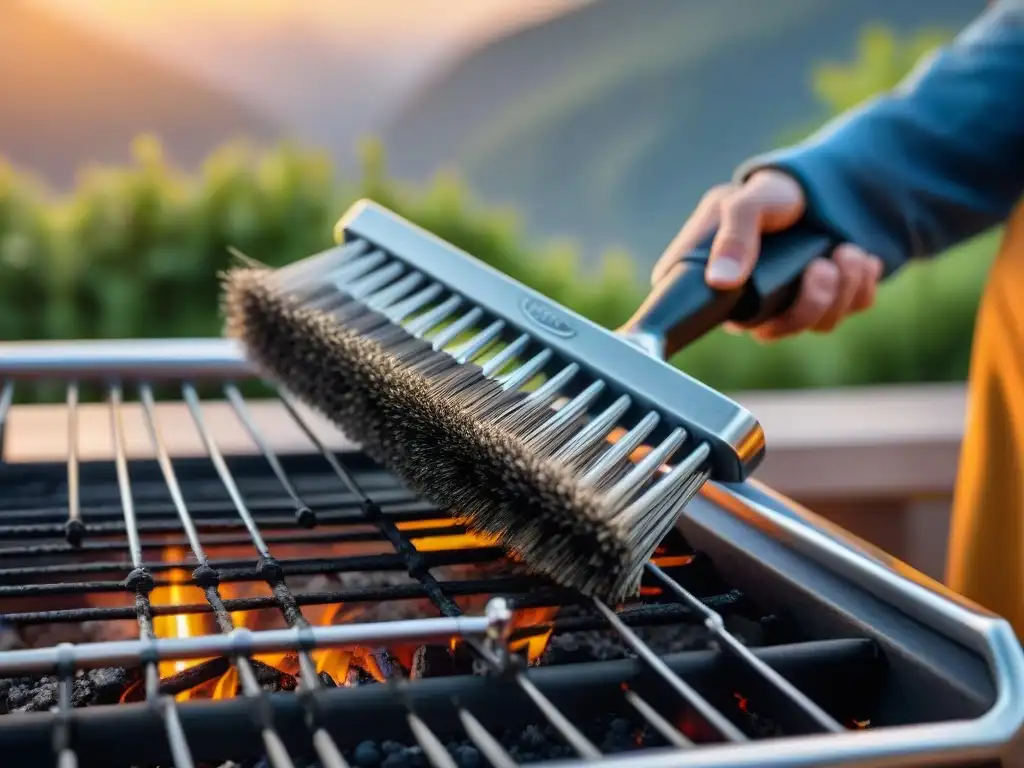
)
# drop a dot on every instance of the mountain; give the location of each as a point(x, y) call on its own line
point(607, 123)
point(331, 70)
point(70, 98)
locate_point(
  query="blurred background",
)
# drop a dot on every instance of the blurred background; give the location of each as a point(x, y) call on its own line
point(562, 141)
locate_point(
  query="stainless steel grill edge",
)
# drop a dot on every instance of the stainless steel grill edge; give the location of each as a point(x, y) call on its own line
point(744, 527)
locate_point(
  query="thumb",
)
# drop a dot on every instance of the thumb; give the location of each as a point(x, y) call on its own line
point(770, 201)
point(735, 248)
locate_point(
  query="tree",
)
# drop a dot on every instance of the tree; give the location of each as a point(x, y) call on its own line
point(883, 59)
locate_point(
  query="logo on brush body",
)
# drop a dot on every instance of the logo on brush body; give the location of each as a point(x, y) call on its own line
point(547, 317)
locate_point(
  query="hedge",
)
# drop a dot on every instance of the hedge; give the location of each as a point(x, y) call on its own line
point(134, 252)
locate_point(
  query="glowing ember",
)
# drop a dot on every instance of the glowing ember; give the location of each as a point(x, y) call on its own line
point(672, 561)
point(741, 702)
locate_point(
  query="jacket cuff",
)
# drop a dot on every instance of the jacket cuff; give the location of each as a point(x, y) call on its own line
point(832, 202)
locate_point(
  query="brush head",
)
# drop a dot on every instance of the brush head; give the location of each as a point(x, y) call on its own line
point(499, 458)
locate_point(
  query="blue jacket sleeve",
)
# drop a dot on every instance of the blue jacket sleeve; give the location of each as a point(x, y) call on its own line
point(930, 164)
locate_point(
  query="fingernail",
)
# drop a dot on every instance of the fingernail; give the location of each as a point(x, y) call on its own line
point(727, 268)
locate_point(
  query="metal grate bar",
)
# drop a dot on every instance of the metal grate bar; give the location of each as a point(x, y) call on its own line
point(234, 570)
point(6, 400)
point(74, 529)
point(397, 510)
point(275, 577)
point(140, 583)
point(416, 568)
point(304, 516)
point(415, 563)
point(349, 536)
point(169, 476)
point(206, 522)
point(124, 483)
point(361, 595)
point(491, 748)
point(659, 723)
point(687, 693)
point(45, 661)
point(397, 501)
point(191, 398)
point(786, 697)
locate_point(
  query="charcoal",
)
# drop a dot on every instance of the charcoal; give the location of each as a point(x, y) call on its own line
point(432, 661)
point(185, 680)
point(367, 755)
point(604, 645)
point(759, 726)
point(612, 733)
point(388, 664)
point(95, 686)
point(747, 631)
point(44, 635)
point(326, 680)
point(465, 662)
point(582, 647)
point(271, 679)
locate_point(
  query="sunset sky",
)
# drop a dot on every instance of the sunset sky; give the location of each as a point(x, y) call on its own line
point(331, 70)
point(431, 22)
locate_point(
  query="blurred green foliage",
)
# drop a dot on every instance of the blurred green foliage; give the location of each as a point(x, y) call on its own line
point(134, 252)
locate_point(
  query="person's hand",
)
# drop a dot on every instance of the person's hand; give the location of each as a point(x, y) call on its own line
point(770, 201)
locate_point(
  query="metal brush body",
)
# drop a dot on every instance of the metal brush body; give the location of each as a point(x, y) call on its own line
point(624, 360)
point(428, 357)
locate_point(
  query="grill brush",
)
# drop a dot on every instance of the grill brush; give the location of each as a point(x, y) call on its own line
point(524, 418)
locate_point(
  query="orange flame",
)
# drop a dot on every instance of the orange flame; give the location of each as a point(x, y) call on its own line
point(178, 592)
point(436, 543)
point(340, 664)
point(535, 644)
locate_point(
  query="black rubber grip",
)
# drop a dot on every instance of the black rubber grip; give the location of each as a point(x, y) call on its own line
point(682, 307)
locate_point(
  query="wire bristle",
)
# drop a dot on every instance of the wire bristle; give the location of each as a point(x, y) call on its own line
point(455, 435)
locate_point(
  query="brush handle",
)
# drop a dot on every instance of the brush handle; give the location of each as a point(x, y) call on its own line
point(682, 307)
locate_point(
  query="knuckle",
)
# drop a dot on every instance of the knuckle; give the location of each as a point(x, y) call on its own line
point(877, 268)
point(848, 254)
point(741, 207)
point(717, 193)
point(730, 241)
point(822, 278)
point(809, 308)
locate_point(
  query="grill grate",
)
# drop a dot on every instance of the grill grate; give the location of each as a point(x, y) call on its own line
point(99, 531)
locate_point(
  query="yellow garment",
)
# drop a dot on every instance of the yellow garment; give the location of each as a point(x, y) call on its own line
point(986, 543)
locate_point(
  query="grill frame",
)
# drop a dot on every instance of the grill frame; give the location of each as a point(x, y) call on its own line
point(726, 517)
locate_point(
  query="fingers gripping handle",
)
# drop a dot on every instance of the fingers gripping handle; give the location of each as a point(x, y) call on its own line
point(682, 307)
